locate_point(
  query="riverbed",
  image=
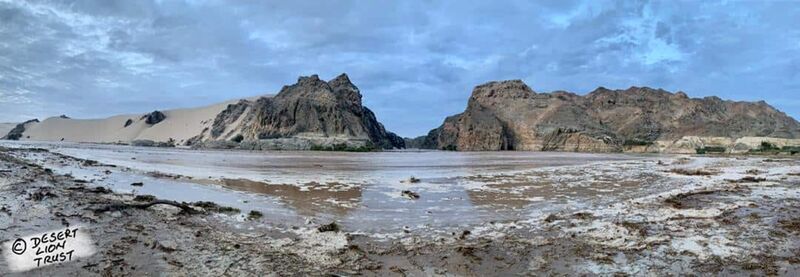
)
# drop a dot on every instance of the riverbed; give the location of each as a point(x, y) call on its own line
point(408, 212)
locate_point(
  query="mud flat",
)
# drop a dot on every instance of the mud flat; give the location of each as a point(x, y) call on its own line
point(608, 215)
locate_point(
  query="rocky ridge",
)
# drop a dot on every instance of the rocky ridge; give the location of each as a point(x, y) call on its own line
point(509, 115)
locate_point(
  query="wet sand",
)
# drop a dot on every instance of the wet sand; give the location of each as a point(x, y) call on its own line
point(601, 214)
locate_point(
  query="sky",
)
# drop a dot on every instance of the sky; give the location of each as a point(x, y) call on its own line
point(415, 62)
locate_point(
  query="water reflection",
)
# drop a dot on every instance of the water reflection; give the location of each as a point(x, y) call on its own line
point(311, 199)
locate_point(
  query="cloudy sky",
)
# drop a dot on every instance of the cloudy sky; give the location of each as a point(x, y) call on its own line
point(414, 61)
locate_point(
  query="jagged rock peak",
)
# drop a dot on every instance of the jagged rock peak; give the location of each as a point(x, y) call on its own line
point(504, 89)
point(308, 79)
point(646, 90)
point(508, 84)
point(327, 111)
point(340, 80)
point(634, 90)
point(337, 89)
point(345, 89)
point(306, 86)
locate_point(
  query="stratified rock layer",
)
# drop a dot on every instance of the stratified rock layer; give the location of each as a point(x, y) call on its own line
point(509, 115)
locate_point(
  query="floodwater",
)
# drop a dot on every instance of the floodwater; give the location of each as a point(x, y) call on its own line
point(364, 191)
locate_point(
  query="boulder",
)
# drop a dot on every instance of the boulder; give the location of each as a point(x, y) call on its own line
point(154, 117)
point(128, 122)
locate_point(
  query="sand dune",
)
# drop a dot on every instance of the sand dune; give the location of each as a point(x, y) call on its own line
point(180, 125)
point(6, 127)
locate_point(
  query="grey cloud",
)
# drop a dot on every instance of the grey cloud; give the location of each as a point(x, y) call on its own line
point(415, 62)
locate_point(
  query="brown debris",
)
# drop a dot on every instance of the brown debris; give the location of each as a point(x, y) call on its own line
point(332, 227)
point(209, 206)
point(583, 215)
point(410, 194)
point(678, 201)
point(144, 198)
point(41, 194)
point(253, 215)
point(790, 224)
point(748, 179)
point(464, 234)
point(691, 172)
point(551, 218)
point(123, 206)
point(635, 227)
point(754, 171)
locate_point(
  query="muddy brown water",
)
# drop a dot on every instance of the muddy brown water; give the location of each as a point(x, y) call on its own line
point(361, 191)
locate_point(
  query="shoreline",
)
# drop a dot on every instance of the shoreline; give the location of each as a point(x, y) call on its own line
point(757, 152)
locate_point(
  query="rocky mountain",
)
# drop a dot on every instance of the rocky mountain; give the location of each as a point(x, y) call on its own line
point(509, 115)
point(311, 114)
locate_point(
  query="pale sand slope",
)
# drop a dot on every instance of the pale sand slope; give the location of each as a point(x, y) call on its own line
point(180, 125)
point(6, 127)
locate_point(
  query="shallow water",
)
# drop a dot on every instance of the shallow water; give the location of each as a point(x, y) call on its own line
point(363, 191)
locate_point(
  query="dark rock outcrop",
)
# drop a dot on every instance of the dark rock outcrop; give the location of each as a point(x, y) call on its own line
point(16, 133)
point(311, 108)
point(309, 114)
point(508, 115)
point(154, 117)
point(227, 117)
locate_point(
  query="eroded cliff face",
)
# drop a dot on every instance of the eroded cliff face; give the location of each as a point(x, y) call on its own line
point(312, 110)
point(509, 115)
point(653, 114)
